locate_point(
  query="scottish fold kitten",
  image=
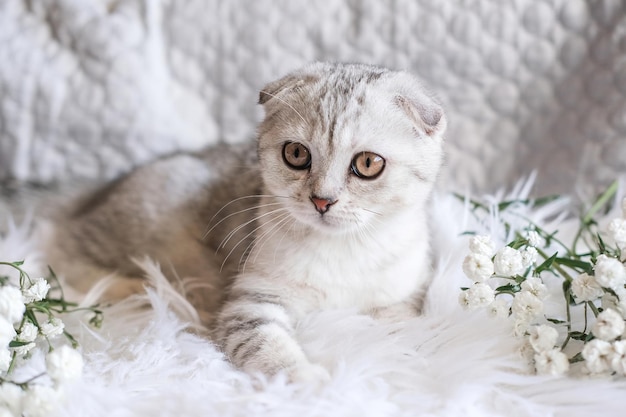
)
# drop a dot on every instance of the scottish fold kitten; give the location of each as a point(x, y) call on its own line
point(329, 211)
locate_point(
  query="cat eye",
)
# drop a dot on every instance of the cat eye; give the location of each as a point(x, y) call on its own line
point(296, 155)
point(367, 165)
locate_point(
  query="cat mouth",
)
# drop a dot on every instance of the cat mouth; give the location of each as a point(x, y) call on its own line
point(327, 222)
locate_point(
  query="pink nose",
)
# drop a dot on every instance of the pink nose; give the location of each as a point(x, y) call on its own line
point(322, 204)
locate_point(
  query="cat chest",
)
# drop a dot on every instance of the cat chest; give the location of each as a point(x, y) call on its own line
point(327, 275)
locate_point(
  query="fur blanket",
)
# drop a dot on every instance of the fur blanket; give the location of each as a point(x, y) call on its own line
point(146, 360)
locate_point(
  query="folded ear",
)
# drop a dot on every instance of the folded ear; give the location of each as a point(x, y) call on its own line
point(426, 115)
point(289, 82)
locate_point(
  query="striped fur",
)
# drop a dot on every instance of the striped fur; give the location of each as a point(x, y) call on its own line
point(370, 250)
point(245, 221)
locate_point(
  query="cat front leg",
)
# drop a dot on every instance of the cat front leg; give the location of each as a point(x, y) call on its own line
point(257, 336)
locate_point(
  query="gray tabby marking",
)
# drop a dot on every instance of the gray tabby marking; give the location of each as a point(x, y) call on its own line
point(327, 210)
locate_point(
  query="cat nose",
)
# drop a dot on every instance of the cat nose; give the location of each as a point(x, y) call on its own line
point(322, 204)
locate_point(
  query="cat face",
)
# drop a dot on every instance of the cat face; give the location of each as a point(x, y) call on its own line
point(349, 145)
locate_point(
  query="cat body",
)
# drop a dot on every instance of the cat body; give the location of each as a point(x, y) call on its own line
point(330, 211)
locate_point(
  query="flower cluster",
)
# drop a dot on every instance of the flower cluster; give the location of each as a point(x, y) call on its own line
point(29, 321)
point(511, 282)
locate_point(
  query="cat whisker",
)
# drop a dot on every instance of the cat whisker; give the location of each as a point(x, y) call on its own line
point(250, 233)
point(365, 230)
point(241, 226)
point(223, 219)
point(239, 199)
point(267, 235)
point(293, 222)
point(371, 211)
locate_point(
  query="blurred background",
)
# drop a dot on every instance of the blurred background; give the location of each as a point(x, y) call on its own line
point(91, 88)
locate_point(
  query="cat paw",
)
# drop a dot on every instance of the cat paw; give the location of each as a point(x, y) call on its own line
point(309, 374)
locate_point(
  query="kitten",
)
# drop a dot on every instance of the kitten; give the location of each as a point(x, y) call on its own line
point(329, 212)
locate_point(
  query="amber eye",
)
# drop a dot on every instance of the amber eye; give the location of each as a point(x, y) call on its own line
point(367, 165)
point(296, 155)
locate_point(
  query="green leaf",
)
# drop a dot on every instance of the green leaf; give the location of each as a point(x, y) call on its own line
point(469, 233)
point(519, 279)
point(475, 204)
point(30, 315)
point(518, 243)
point(509, 288)
point(15, 343)
point(577, 358)
point(601, 201)
point(542, 201)
point(601, 245)
point(556, 321)
point(546, 264)
point(585, 337)
point(575, 264)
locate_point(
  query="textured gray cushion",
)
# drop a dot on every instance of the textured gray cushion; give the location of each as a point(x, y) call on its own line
point(89, 88)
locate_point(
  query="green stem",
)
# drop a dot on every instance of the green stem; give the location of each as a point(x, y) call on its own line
point(23, 273)
point(599, 203)
point(594, 309)
point(12, 365)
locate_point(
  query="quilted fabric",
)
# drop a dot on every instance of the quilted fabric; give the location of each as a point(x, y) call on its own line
point(90, 88)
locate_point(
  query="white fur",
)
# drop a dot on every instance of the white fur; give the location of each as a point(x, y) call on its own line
point(374, 270)
point(447, 362)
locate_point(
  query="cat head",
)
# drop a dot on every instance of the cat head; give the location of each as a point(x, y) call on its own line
point(349, 143)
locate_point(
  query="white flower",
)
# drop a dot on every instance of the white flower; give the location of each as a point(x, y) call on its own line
point(37, 291)
point(11, 306)
point(53, 327)
point(617, 228)
point(520, 328)
point(508, 262)
point(609, 301)
point(526, 306)
point(11, 397)
point(498, 309)
point(64, 364)
point(597, 356)
point(24, 349)
point(551, 362)
point(543, 338)
point(478, 267)
point(477, 296)
point(41, 401)
point(5, 360)
point(7, 332)
point(610, 272)
point(536, 287)
point(618, 357)
point(617, 303)
point(28, 332)
point(585, 288)
point(482, 245)
point(529, 256)
point(609, 325)
point(534, 239)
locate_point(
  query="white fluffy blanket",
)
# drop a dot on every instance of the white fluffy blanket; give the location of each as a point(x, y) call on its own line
point(144, 361)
